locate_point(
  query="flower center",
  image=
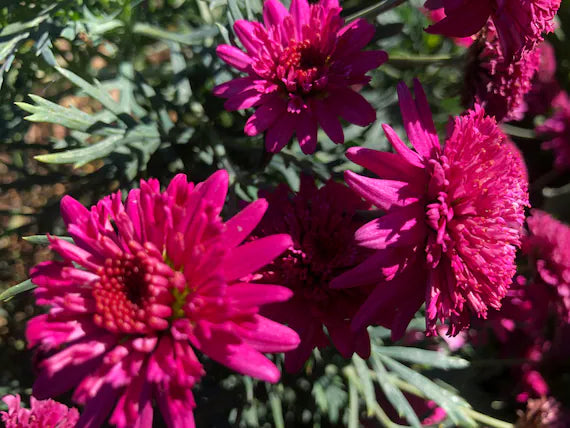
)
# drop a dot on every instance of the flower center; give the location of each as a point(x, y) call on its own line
point(301, 66)
point(127, 295)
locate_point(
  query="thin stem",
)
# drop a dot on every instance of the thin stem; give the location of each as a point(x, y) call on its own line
point(516, 131)
point(405, 60)
point(376, 9)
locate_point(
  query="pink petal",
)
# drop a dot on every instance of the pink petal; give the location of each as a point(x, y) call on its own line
point(215, 189)
point(354, 37)
point(234, 87)
point(425, 114)
point(226, 349)
point(98, 408)
point(409, 155)
point(385, 194)
point(386, 165)
point(245, 295)
point(309, 333)
point(280, 133)
point(243, 100)
point(252, 256)
point(271, 108)
point(300, 12)
point(72, 211)
point(273, 13)
point(245, 30)
point(234, 57)
point(307, 132)
point(418, 135)
point(328, 120)
point(399, 228)
point(71, 252)
point(352, 107)
point(243, 223)
point(364, 61)
point(455, 23)
point(268, 336)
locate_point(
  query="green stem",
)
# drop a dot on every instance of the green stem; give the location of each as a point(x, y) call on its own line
point(516, 131)
point(376, 9)
point(480, 417)
point(404, 60)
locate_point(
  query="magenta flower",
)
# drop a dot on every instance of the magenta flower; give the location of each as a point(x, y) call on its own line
point(436, 15)
point(43, 414)
point(556, 132)
point(544, 412)
point(321, 223)
point(520, 23)
point(147, 282)
point(548, 247)
point(452, 224)
point(303, 68)
point(495, 82)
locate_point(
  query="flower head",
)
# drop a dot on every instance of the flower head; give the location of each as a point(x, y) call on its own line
point(452, 225)
point(548, 247)
point(43, 414)
point(520, 23)
point(556, 130)
point(495, 82)
point(303, 68)
point(321, 223)
point(544, 412)
point(145, 283)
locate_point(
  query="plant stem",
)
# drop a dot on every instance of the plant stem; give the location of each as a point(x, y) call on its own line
point(516, 131)
point(376, 9)
point(404, 60)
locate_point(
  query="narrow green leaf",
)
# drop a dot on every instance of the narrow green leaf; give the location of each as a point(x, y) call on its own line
point(394, 395)
point(83, 155)
point(367, 384)
point(447, 400)
point(181, 82)
point(43, 239)
point(352, 405)
point(195, 37)
point(8, 47)
point(422, 356)
point(276, 410)
point(234, 10)
point(17, 289)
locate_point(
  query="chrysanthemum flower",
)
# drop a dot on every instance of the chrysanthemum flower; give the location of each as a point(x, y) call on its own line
point(556, 130)
point(493, 81)
point(144, 284)
point(548, 247)
point(43, 414)
point(321, 223)
point(544, 412)
point(452, 225)
point(303, 68)
point(520, 23)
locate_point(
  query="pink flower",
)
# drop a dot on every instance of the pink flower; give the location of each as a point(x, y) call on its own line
point(303, 70)
point(322, 223)
point(520, 23)
point(496, 82)
point(556, 130)
point(544, 412)
point(452, 224)
point(548, 247)
point(147, 282)
point(43, 414)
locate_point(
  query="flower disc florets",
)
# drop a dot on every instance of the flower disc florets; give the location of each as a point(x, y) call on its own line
point(143, 284)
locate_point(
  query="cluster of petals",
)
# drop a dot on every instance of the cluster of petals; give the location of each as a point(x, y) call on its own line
point(143, 284)
point(452, 224)
point(496, 82)
point(547, 245)
point(520, 24)
point(304, 67)
point(321, 223)
point(556, 131)
point(545, 91)
point(43, 414)
point(544, 412)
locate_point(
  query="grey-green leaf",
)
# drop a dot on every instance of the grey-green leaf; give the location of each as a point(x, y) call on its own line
point(17, 289)
point(421, 356)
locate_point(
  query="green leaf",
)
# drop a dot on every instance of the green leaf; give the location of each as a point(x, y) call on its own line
point(17, 289)
point(43, 239)
point(193, 38)
point(181, 82)
point(394, 395)
point(447, 400)
point(234, 10)
point(352, 405)
point(366, 383)
point(422, 356)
